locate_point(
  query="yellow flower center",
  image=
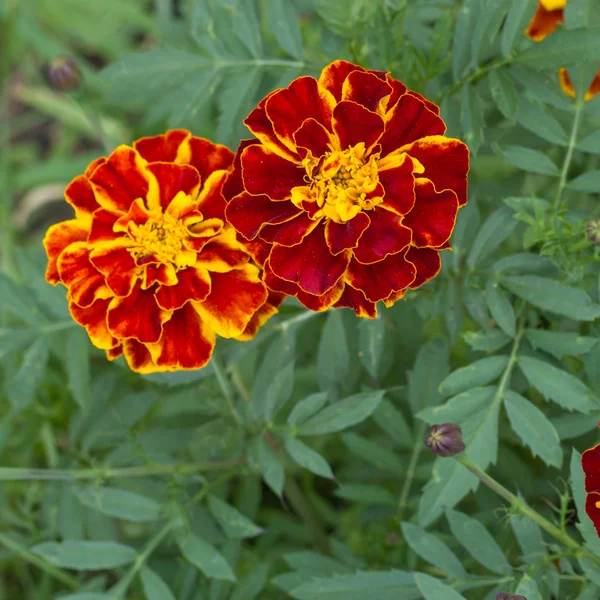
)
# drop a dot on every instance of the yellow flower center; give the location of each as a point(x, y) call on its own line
point(343, 182)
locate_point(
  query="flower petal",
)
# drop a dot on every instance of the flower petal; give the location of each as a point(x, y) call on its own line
point(399, 185)
point(333, 76)
point(290, 233)
point(120, 180)
point(446, 162)
point(223, 253)
point(208, 157)
point(385, 235)
point(288, 108)
point(379, 280)
point(248, 214)
point(366, 89)
point(80, 195)
point(264, 172)
point(394, 297)
point(356, 301)
point(211, 201)
point(353, 124)
point(57, 238)
point(261, 316)
point(137, 316)
point(567, 85)
point(590, 462)
point(235, 296)
point(433, 216)
point(139, 359)
point(118, 267)
point(344, 236)
point(545, 21)
point(85, 283)
point(314, 137)
point(592, 509)
point(187, 341)
point(103, 223)
point(310, 264)
point(164, 274)
point(408, 121)
point(172, 179)
point(93, 318)
point(193, 283)
point(168, 147)
point(428, 263)
point(398, 90)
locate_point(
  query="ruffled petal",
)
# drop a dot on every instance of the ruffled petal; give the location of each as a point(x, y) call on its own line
point(353, 124)
point(333, 76)
point(408, 121)
point(223, 253)
point(164, 274)
point(137, 316)
point(545, 20)
point(193, 283)
point(446, 163)
point(394, 297)
point(356, 301)
point(399, 185)
point(93, 318)
point(344, 236)
point(117, 266)
point(103, 223)
point(379, 280)
point(57, 238)
point(114, 353)
point(385, 235)
point(289, 233)
point(567, 85)
point(258, 249)
point(310, 264)
point(261, 316)
point(590, 462)
point(592, 509)
point(211, 201)
point(428, 263)
point(398, 90)
point(172, 179)
point(267, 173)
point(433, 217)
point(365, 88)
point(139, 359)
point(235, 296)
point(234, 184)
point(207, 157)
point(171, 146)
point(314, 137)
point(80, 195)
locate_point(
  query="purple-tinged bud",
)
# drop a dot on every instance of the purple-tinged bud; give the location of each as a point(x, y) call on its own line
point(507, 596)
point(593, 231)
point(63, 74)
point(445, 439)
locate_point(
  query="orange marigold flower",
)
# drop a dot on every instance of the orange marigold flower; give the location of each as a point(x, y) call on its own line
point(350, 190)
point(590, 461)
point(153, 270)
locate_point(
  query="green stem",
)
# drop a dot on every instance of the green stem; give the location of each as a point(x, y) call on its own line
point(15, 474)
point(225, 386)
point(410, 473)
point(285, 325)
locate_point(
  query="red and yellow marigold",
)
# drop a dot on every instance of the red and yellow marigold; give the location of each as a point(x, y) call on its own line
point(349, 191)
point(549, 15)
point(153, 270)
point(590, 461)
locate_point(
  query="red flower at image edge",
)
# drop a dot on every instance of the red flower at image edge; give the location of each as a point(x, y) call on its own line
point(350, 189)
point(153, 271)
point(590, 461)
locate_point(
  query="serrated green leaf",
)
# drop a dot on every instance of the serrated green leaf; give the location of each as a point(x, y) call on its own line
point(333, 360)
point(467, 226)
point(433, 550)
point(460, 407)
point(453, 311)
point(586, 182)
point(250, 586)
point(528, 587)
point(27, 380)
point(533, 117)
point(578, 13)
point(534, 428)
point(560, 343)
point(154, 587)
point(504, 93)
point(206, 557)
point(314, 563)
point(487, 340)
point(542, 86)
point(496, 228)
point(519, 14)
point(77, 365)
point(500, 308)
point(474, 300)
point(285, 27)
point(524, 262)
point(15, 338)
point(85, 555)
point(373, 453)
point(18, 301)
point(461, 44)
point(471, 118)
point(558, 385)
point(268, 464)
point(232, 521)
point(590, 143)
point(431, 366)
point(486, 28)
point(530, 538)
point(246, 26)
point(371, 344)
point(531, 160)
point(307, 407)
point(477, 373)
point(392, 421)
point(434, 589)
point(307, 458)
point(342, 414)
point(119, 503)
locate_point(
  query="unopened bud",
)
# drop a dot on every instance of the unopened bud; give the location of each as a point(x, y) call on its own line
point(593, 231)
point(63, 74)
point(445, 439)
point(507, 596)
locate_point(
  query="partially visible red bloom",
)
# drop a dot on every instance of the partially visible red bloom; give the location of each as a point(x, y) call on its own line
point(153, 270)
point(590, 461)
point(349, 191)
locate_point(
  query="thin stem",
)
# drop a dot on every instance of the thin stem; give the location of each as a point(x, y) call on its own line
point(285, 325)
point(412, 466)
point(225, 386)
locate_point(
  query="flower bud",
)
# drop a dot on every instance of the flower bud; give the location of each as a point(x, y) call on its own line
point(63, 74)
point(507, 596)
point(445, 439)
point(593, 231)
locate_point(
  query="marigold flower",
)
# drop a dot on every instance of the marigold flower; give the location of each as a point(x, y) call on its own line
point(590, 461)
point(549, 14)
point(350, 189)
point(152, 269)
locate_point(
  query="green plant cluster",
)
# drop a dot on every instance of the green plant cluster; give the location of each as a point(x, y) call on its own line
point(293, 466)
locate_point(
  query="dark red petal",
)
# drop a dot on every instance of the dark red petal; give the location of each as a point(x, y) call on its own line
point(343, 236)
point(115, 352)
point(94, 165)
point(211, 202)
point(590, 462)
point(93, 318)
point(138, 358)
point(385, 235)
point(258, 249)
point(262, 315)
point(433, 217)
point(118, 267)
point(291, 232)
point(161, 273)
point(366, 89)
point(446, 163)
point(398, 90)
point(168, 147)
point(136, 316)
point(408, 121)
point(356, 300)
point(380, 279)
point(310, 264)
point(592, 509)
point(267, 173)
point(80, 195)
point(249, 213)
point(432, 106)
point(333, 76)
point(303, 99)
point(172, 179)
point(314, 137)
point(399, 185)
point(192, 284)
point(57, 238)
point(234, 184)
point(353, 124)
point(208, 157)
point(428, 263)
point(544, 22)
point(223, 253)
point(103, 222)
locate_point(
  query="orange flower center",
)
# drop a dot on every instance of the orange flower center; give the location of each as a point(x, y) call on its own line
point(343, 182)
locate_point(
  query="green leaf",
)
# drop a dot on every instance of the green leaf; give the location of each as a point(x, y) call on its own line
point(529, 159)
point(333, 360)
point(504, 93)
point(500, 308)
point(453, 312)
point(119, 503)
point(461, 44)
point(15, 338)
point(528, 587)
point(392, 421)
point(486, 28)
point(486, 340)
point(77, 364)
point(460, 407)
point(307, 407)
point(315, 564)
point(558, 385)
point(369, 494)
point(474, 300)
point(246, 26)
point(553, 296)
point(206, 557)
point(342, 414)
point(478, 542)
point(471, 118)
point(560, 343)
point(587, 182)
point(28, 378)
point(568, 48)
point(307, 458)
point(373, 453)
point(17, 300)
point(519, 14)
point(534, 428)
point(590, 143)
point(478, 373)
point(433, 550)
point(231, 520)
point(578, 13)
point(524, 262)
point(268, 464)
point(434, 589)
point(497, 227)
point(371, 344)
point(533, 117)
point(467, 226)
point(530, 538)
point(283, 22)
point(154, 587)
point(85, 555)
point(431, 366)
point(250, 586)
